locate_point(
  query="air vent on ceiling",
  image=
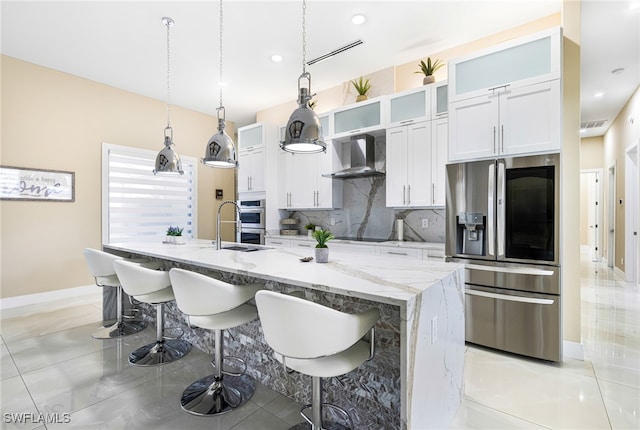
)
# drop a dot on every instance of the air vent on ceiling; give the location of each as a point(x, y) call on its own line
point(335, 52)
point(592, 124)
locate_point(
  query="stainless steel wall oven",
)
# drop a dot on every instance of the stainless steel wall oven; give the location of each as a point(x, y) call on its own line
point(252, 217)
point(503, 223)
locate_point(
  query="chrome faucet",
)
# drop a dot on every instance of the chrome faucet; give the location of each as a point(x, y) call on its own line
point(237, 222)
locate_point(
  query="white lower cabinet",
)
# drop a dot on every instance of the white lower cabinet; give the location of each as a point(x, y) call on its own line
point(389, 251)
point(277, 242)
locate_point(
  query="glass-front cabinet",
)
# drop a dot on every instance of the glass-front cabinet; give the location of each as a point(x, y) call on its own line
point(409, 106)
point(440, 100)
point(524, 61)
point(364, 117)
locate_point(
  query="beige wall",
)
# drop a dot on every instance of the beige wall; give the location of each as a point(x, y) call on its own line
point(592, 153)
point(620, 135)
point(570, 172)
point(52, 120)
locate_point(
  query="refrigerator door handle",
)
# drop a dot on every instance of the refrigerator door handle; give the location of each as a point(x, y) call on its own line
point(510, 298)
point(500, 209)
point(490, 211)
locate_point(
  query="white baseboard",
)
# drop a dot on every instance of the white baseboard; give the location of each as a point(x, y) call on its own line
point(573, 350)
point(30, 299)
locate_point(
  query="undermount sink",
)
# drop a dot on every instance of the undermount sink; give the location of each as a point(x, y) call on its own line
point(242, 248)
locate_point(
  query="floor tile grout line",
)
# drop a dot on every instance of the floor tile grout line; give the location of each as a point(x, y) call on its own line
point(467, 398)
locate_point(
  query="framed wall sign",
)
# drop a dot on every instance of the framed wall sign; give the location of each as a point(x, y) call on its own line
point(17, 183)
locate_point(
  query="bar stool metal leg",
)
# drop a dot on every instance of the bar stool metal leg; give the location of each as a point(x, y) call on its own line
point(162, 350)
point(121, 327)
point(220, 392)
point(316, 422)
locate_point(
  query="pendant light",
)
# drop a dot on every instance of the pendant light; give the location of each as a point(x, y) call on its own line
point(168, 160)
point(302, 134)
point(220, 151)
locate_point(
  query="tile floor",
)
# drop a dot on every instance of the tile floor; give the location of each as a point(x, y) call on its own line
point(50, 364)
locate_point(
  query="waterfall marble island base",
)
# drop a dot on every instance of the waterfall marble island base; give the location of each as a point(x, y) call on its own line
point(415, 380)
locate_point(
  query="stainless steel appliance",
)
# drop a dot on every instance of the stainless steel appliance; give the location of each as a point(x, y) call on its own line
point(502, 221)
point(252, 217)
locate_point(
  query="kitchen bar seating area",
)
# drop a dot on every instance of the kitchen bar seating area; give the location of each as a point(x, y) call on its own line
point(92, 381)
point(441, 234)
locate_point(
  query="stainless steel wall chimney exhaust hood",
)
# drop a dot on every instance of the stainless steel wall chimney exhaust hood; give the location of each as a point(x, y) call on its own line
point(363, 163)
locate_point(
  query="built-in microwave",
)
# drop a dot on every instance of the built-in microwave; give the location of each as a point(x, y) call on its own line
point(252, 214)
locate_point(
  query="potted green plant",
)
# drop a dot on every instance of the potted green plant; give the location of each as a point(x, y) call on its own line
point(362, 86)
point(173, 233)
point(322, 250)
point(428, 69)
point(310, 228)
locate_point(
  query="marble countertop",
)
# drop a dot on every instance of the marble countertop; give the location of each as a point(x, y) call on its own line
point(370, 277)
point(390, 243)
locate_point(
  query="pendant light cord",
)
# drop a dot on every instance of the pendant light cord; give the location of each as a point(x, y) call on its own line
point(220, 56)
point(169, 23)
point(304, 37)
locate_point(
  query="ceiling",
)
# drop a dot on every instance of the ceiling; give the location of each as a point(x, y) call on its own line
point(123, 44)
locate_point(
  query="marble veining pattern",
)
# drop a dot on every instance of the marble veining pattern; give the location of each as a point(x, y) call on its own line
point(387, 391)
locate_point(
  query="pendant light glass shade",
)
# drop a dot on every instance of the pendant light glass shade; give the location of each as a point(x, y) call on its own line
point(168, 160)
point(303, 133)
point(220, 151)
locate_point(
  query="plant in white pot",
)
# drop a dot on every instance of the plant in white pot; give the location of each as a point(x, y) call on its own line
point(428, 69)
point(322, 250)
point(173, 233)
point(310, 228)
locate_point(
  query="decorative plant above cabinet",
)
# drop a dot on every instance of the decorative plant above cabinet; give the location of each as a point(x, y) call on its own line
point(428, 69)
point(362, 86)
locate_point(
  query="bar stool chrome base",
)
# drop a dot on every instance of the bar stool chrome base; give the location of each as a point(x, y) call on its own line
point(159, 352)
point(121, 329)
point(330, 425)
point(212, 395)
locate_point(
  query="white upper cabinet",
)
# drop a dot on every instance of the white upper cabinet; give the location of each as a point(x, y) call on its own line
point(409, 106)
point(301, 184)
point(363, 117)
point(439, 146)
point(421, 104)
point(251, 136)
point(409, 166)
point(251, 158)
point(506, 100)
point(514, 121)
point(531, 59)
point(439, 100)
point(251, 170)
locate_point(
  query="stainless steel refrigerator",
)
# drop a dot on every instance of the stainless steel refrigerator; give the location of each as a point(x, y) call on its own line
point(502, 222)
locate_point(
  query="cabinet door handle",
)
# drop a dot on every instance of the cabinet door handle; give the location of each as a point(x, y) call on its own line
point(275, 242)
point(498, 87)
point(433, 193)
point(396, 253)
point(355, 131)
point(404, 194)
point(409, 121)
point(494, 139)
point(502, 138)
point(408, 194)
point(304, 245)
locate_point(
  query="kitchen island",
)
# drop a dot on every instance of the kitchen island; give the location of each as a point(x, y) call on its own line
point(415, 381)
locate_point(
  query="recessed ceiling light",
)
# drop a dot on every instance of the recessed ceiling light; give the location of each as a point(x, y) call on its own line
point(598, 94)
point(617, 71)
point(358, 19)
point(276, 58)
point(222, 84)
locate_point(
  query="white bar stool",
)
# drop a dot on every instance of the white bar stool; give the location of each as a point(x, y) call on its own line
point(153, 287)
point(317, 341)
point(215, 305)
point(101, 267)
